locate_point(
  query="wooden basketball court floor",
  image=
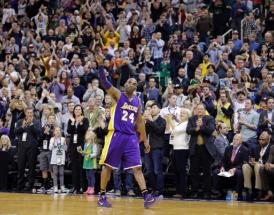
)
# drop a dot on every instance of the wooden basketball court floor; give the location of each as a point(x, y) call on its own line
point(35, 204)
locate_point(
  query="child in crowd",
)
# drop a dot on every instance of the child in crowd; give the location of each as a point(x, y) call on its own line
point(5, 158)
point(58, 157)
point(90, 160)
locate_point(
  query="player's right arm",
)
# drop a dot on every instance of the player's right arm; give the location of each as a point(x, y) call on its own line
point(111, 90)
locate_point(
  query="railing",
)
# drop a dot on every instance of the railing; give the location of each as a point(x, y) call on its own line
point(226, 34)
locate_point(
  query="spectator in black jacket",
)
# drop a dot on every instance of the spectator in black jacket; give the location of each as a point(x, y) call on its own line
point(79, 90)
point(77, 127)
point(5, 160)
point(208, 101)
point(181, 79)
point(27, 131)
point(201, 149)
point(155, 128)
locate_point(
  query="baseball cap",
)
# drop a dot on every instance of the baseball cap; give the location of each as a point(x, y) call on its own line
point(235, 32)
point(177, 86)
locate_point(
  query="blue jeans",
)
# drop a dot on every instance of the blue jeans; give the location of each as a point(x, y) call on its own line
point(128, 180)
point(90, 173)
point(154, 166)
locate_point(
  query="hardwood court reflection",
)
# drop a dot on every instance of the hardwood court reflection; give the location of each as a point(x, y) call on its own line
point(31, 204)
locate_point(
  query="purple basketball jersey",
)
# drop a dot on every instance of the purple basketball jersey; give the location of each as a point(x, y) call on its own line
point(124, 114)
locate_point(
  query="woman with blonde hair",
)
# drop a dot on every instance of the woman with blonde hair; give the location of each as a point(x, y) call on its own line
point(180, 141)
point(5, 158)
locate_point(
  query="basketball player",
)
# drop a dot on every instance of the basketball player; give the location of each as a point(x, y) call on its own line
point(121, 143)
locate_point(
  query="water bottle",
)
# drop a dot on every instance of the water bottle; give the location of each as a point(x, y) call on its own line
point(229, 196)
point(235, 196)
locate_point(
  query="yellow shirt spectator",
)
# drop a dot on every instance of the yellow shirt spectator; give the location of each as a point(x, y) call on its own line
point(111, 36)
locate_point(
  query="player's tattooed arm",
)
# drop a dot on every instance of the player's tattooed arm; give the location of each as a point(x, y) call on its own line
point(111, 90)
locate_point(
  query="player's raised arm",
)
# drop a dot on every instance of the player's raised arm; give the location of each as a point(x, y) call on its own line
point(111, 90)
point(142, 130)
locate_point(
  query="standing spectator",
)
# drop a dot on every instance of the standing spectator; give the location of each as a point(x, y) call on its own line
point(148, 29)
point(225, 113)
point(94, 112)
point(180, 96)
point(237, 42)
point(239, 10)
point(70, 97)
point(65, 119)
point(77, 127)
point(45, 155)
point(5, 158)
point(269, 20)
point(189, 64)
point(219, 10)
point(156, 45)
point(155, 129)
point(180, 141)
point(152, 92)
point(93, 90)
point(249, 25)
point(17, 107)
point(175, 112)
point(58, 149)
point(221, 142)
point(248, 124)
point(212, 77)
point(204, 26)
point(79, 90)
point(57, 88)
point(208, 100)
point(202, 149)
point(90, 162)
point(28, 131)
point(181, 79)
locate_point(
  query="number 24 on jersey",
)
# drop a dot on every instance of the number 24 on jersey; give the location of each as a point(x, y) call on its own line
point(127, 116)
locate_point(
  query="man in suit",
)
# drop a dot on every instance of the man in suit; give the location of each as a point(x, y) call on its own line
point(267, 173)
point(234, 157)
point(266, 120)
point(221, 142)
point(258, 157)
point(27, 131)
point(202, 149)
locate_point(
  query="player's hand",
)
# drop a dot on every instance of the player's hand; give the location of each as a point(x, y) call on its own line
point(100, 59)
point(147, 147)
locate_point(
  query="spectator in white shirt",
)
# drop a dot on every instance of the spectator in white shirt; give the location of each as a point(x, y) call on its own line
point(180, 141)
